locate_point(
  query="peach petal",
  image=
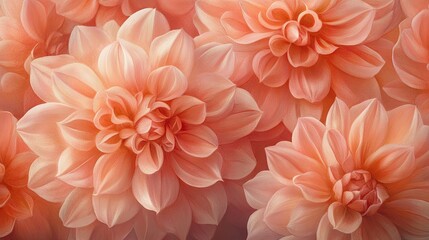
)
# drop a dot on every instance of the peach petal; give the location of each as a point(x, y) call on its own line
point(112, 175)
point(339, 117)
point(79, 131)
point(189, 109)
point(6, 223)
point(77, 210)
point(238, 159)
point(257, 229)
point(208, 205)
point(199, 141)
point(115, 209)
point(13, 30)
point(305, 218)
point(167, 83)
point(8, 141)
point(151, 158)
point(307, 137)
point(17, 171)
point(197, 172)
point(313, 186)
point(179, 210)
point(34, 21)
point(377, 226)
point(260, 189)
point(404, 122)
point(14, 53)
point(336, 152)
point(271, 70)
point(218, 58)
point(108, 141)
point(4, 195)
point(148, 227)
point(20, 205)
point(173, 48)
point(302, 56)
point(325, 231)
point(241, 121)
point(343, 219)
point(157, 191)
point(79, 11)
point(143, 27)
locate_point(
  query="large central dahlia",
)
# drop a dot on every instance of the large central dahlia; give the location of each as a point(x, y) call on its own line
point(362, 176)
point(135, 119)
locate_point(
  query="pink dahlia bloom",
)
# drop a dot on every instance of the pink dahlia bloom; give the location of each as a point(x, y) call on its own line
point(178, 12)
point(28, 29)
point(138, 121)
point(411, 62)
point(303, 53)
point(362, 176)
point(411, 8)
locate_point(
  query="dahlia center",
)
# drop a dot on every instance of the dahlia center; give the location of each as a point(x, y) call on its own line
point(134, 120)
point(359, 191)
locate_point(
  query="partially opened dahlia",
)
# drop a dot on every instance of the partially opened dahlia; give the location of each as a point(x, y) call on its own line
point(303, 53)
point(362, 176)
point(137, 121)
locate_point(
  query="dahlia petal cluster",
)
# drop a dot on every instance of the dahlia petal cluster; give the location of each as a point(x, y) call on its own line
point(214, 119)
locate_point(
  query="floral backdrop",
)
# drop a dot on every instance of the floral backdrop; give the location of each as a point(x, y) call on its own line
point(214, 119)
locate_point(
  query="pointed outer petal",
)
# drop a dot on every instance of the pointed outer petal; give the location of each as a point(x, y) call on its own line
point(14, 53)
point(42, 180)
point(285, 162)
point(12, 30)
point(76, 167)
point(208, 13)
point(75, 84)
point(347, 23)
point(20, 205)
point(357, 61)
point(151, 158)
point(143, 27)
point(77, 210)
point(312, 84)
point(202, 232)
point(260, 189)
point(6, 223)
point(354, 90)
point(376, 227)
point(257, 229)
point(115, 209)
point(78, 130)
point(305, 218)
point(391, 163)
point(11, 8)
point(157, 191)
point(168, 218)
point(343, 219)
point(41, 73)
point(9, 136)
point(272, 71)
point(167, 83)
point(86, 44)
point(216, 91)
point(124, 64)
point(323, 47)
point(279, 209)
point(236, 28)
point(368, 129)
point(199, 141)
point(4, 195)
point(404, 123)
point(113, 172)
point(241, 121)
point(411, 216)
point(148, 228)
point(238, 159)
point(189, 109)
point(335, 151)
point(38, 128)
point(197, 172)
point(174, 48)
point(208, 204)
point(338, 117)
point(78, 11)
point(314, 187)
point(16, 174)
point(34, 19)
point(307, 137)
point(215, 58)
point(302, 56)
point(325, 231)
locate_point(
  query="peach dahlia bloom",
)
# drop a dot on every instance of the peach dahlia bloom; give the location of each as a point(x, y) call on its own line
point(362, 176)
point(28, 29)
point(411, 62)
point(138, 121)
point(302, 52)
point(412, 7)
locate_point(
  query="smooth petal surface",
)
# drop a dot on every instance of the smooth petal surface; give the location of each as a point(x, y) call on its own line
point(343, 219)
point(198, 142)
point(77, 210)
point(260, 189)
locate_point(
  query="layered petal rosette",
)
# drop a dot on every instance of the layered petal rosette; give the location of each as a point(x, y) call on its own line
point(363, 175)
point(411, 62)
point(303, 53)
point(138, 124)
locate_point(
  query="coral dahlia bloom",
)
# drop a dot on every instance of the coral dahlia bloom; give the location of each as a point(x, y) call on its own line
point(302, 52)
point(138, 120)
point(411, 62)
point(362, 176)
point(28, 29)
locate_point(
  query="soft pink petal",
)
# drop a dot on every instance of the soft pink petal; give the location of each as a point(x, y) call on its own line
point(302, 56)
point(4, 195)
point(343, 219)
point(215, 58)
point(151, 158)
point(339, 117)
point(167, 83)
point(199, 141)
point(179, 210)
point(8, 139)
point(271, 70)
point(77, 10)
point(257, 229)
point(17, 170)
point(77, 210)
point(34, 19)
point(377, 227)
point(305, 218)
point(78, 130)
point(307, 137)
point(325, 231)
point(6, 223)
point(404, 123)
point(314, 187)
point(238, 159)
point(148, 227)
point(189, 109)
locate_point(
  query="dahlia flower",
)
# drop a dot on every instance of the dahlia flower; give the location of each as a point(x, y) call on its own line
point(28, 29)
point(411, 62)
point(411, 8)
point(138, 121)
point(303, 53)
point(363, 175)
